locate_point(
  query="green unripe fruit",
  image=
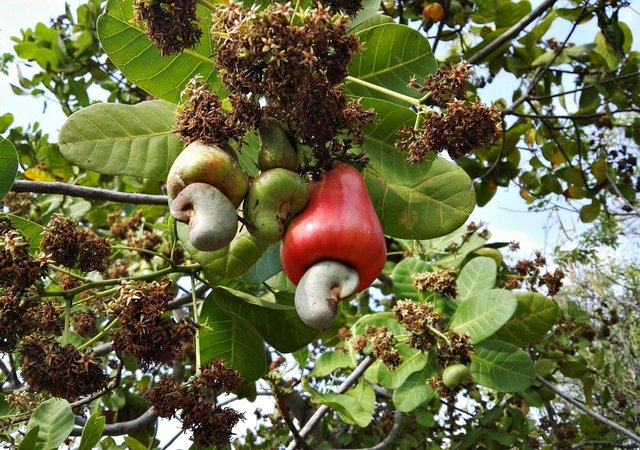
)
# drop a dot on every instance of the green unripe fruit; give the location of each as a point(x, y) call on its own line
point(455, 375)
point(199, 163)
point(276, 150)
point(274, 198)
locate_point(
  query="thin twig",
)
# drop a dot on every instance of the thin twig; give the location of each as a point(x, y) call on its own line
point(511, 32)
point(599, 417)
point(391, 437)
point(324, 409)
point(41, 187)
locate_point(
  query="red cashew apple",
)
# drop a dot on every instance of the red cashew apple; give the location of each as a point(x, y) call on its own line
point(338, 228)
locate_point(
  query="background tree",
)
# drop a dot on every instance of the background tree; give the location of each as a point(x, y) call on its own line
point(110, 317)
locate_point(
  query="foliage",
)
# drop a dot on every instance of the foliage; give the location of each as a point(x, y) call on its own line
point(100, 287)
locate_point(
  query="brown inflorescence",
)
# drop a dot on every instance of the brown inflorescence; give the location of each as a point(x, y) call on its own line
point(62, 371)
point(457, 350)
point(382, 346)
point(447, 84)
point(73, 246)
point(295, 61)
point(202, 118)
point(419, 319)
point(463, 126)
point(145, 333)
point(209, 423)
point(442, 281)
point(171, 24)
point(347, 7)
point(18, 269)
point(83, 322)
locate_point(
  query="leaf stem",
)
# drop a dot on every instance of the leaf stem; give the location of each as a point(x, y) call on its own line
point(194, 301)
point(384, 90)
point(100, 335)
point(206, 4)
point(67, 318)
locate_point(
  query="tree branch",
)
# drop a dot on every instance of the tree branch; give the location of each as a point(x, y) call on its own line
point(322, 410)
point(41, 187)
point(600, 418)
point(391, 437)
point(511, 32)
point(119, 429)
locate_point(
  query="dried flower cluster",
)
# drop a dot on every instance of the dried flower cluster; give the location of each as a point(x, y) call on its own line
point(462, 126)
point(294, 61)
point(132, 229)
point(62, 371)
point(382, 346)
point(73, 246)
point(529, 272)
point(444, 391)
point(426, 328)
point(144, 332)
point(210, 424)
point(18, 269)
point(202, 118)
point(447, 84)
point(171, 24)
point(442, 281)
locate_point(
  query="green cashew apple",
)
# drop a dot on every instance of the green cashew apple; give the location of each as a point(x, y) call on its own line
point(199, 163)
point(205, 186)
point(274, 198)
point(276, 150)
point(456, 375)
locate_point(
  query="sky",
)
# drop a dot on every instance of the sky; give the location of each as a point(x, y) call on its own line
point(507, 214)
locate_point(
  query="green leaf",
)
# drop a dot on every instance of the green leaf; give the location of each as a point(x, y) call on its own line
point(502, 366)
point(590, 212)
point(369, 10)
point(483, 314)
point(141, 62)
point(412, 361)
point(92, 431)
point(30, 439)
point(231, 338)
point(278, 323)
point(8, 166)
point(55, 421)
point(419, 201)
point(535, 315)
point(134, 444)
point(381, 319)
point(115, 139)
point(31, 230)
point(415, 391)
point(230, 261)
point(476, 276)
point(354, 407)
point(402, 277)
point(267, 266)
point(328, 362)
point(392, 55)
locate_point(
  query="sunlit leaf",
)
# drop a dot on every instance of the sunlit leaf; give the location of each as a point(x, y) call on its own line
point(392, 55)
point(55, 421)
point(483, 314)
point(535, 315)
point(476, 276)
point(141, 62)
point(8, 166)
point(115, 139)
point(501, 366)
point(232, 338)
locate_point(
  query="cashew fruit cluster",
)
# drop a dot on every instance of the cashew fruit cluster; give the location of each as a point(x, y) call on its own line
point(206, 186)
point(335, 247)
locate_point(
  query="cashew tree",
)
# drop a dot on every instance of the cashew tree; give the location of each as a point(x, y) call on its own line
point(270, 202)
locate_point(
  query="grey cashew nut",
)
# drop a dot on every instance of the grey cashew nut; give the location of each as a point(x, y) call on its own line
point(320, 289)
point(211, 217)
